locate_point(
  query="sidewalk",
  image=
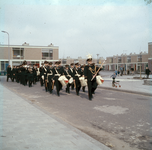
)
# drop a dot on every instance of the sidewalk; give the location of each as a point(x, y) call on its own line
point(128, 84)
point(25, 126)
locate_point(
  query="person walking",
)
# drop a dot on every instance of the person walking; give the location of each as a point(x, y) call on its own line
point(147, 72)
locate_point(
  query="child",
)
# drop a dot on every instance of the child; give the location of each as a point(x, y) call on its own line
point(113, 77)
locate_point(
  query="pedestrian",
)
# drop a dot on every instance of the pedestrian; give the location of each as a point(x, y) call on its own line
point(121, 70)
point(147, 72)
point(113, 77)
point(132, 70)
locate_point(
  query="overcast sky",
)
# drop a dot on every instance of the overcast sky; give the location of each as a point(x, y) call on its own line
point(78, 27)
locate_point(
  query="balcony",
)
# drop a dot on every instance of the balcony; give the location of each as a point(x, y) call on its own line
point(18, 57)
point(119, 60)
point(129, 61)
point(47, 58)
point(139, 60)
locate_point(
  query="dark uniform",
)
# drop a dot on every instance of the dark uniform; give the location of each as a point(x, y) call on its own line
point(77, 72)
point(72, 73)
point(68, 76)
point(45, 70)
point(89, 72)
point(30, 77)
point(34, 74)
point(58, 71)
point(82, 74)
point(50, 76)
point(41, 74)
point(9, 73)
point(13, 74)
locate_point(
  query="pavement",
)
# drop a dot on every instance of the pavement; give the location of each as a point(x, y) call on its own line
point(23, 125)
point(128, 83)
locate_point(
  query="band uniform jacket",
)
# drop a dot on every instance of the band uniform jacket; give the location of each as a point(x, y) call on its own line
point(67, 73)
point(90, 71)
point(71, 72)
point(77, 73)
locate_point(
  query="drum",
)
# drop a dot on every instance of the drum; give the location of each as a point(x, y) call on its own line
point(63, 80)
point(71, 80)
point(99, 80)
point(42, 77)
point(83, 81)
point(38, 72)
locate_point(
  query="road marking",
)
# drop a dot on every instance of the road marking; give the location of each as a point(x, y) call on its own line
point(114, 110)
point(109, 98)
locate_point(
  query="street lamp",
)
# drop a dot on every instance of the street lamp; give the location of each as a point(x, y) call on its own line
point(8, 47)
point(97, 58)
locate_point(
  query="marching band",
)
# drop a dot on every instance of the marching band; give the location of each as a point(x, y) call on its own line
point(74, 76)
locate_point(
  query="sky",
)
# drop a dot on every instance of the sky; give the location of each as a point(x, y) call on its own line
point(78, 27)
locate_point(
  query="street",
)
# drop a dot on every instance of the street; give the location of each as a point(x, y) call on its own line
point(117, 119)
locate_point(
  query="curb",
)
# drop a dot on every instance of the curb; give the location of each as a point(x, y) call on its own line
point(127, 91)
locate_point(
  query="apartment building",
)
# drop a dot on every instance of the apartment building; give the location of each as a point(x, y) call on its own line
point(16, 54)
point(150, 55)
point(127, 61)
point(81, 60)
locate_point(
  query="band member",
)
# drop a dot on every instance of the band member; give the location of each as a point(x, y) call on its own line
point(30, 77)
point(76, 78)
point(41, 74)
point(17, 74)
point(45, 74)
point(50, 77)
point(9, 72)
point(82, 74)
point(34, 69)
point(57, 71)
point(89, 73)
point(72, 73)
point(13, 73)
point(68, 76)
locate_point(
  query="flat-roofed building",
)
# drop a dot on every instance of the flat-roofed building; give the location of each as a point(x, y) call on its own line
point(16, 54)
point(150, 56)
point(127, 61)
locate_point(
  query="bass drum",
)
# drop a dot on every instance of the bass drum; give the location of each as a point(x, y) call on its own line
point(63, 80)
point(99, 80)
point(83, 81)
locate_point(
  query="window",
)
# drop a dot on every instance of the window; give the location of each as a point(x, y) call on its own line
point(119, 59)
point(139, 59)
point(4, 65)
point(18, 53)
point(128, 59)
point(47, 53)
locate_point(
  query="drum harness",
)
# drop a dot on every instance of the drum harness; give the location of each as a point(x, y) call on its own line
point(68, 74)
point(78, 75)
point(57, 73)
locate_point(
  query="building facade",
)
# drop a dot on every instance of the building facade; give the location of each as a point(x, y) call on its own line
point(16, 54)
point(127, 62)
point(81, 60)
point(150, 55)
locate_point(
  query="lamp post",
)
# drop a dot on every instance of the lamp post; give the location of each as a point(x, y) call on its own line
point(8, 47)
point(97, 58)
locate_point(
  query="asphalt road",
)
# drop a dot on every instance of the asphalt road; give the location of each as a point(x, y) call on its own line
point(117, 119)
